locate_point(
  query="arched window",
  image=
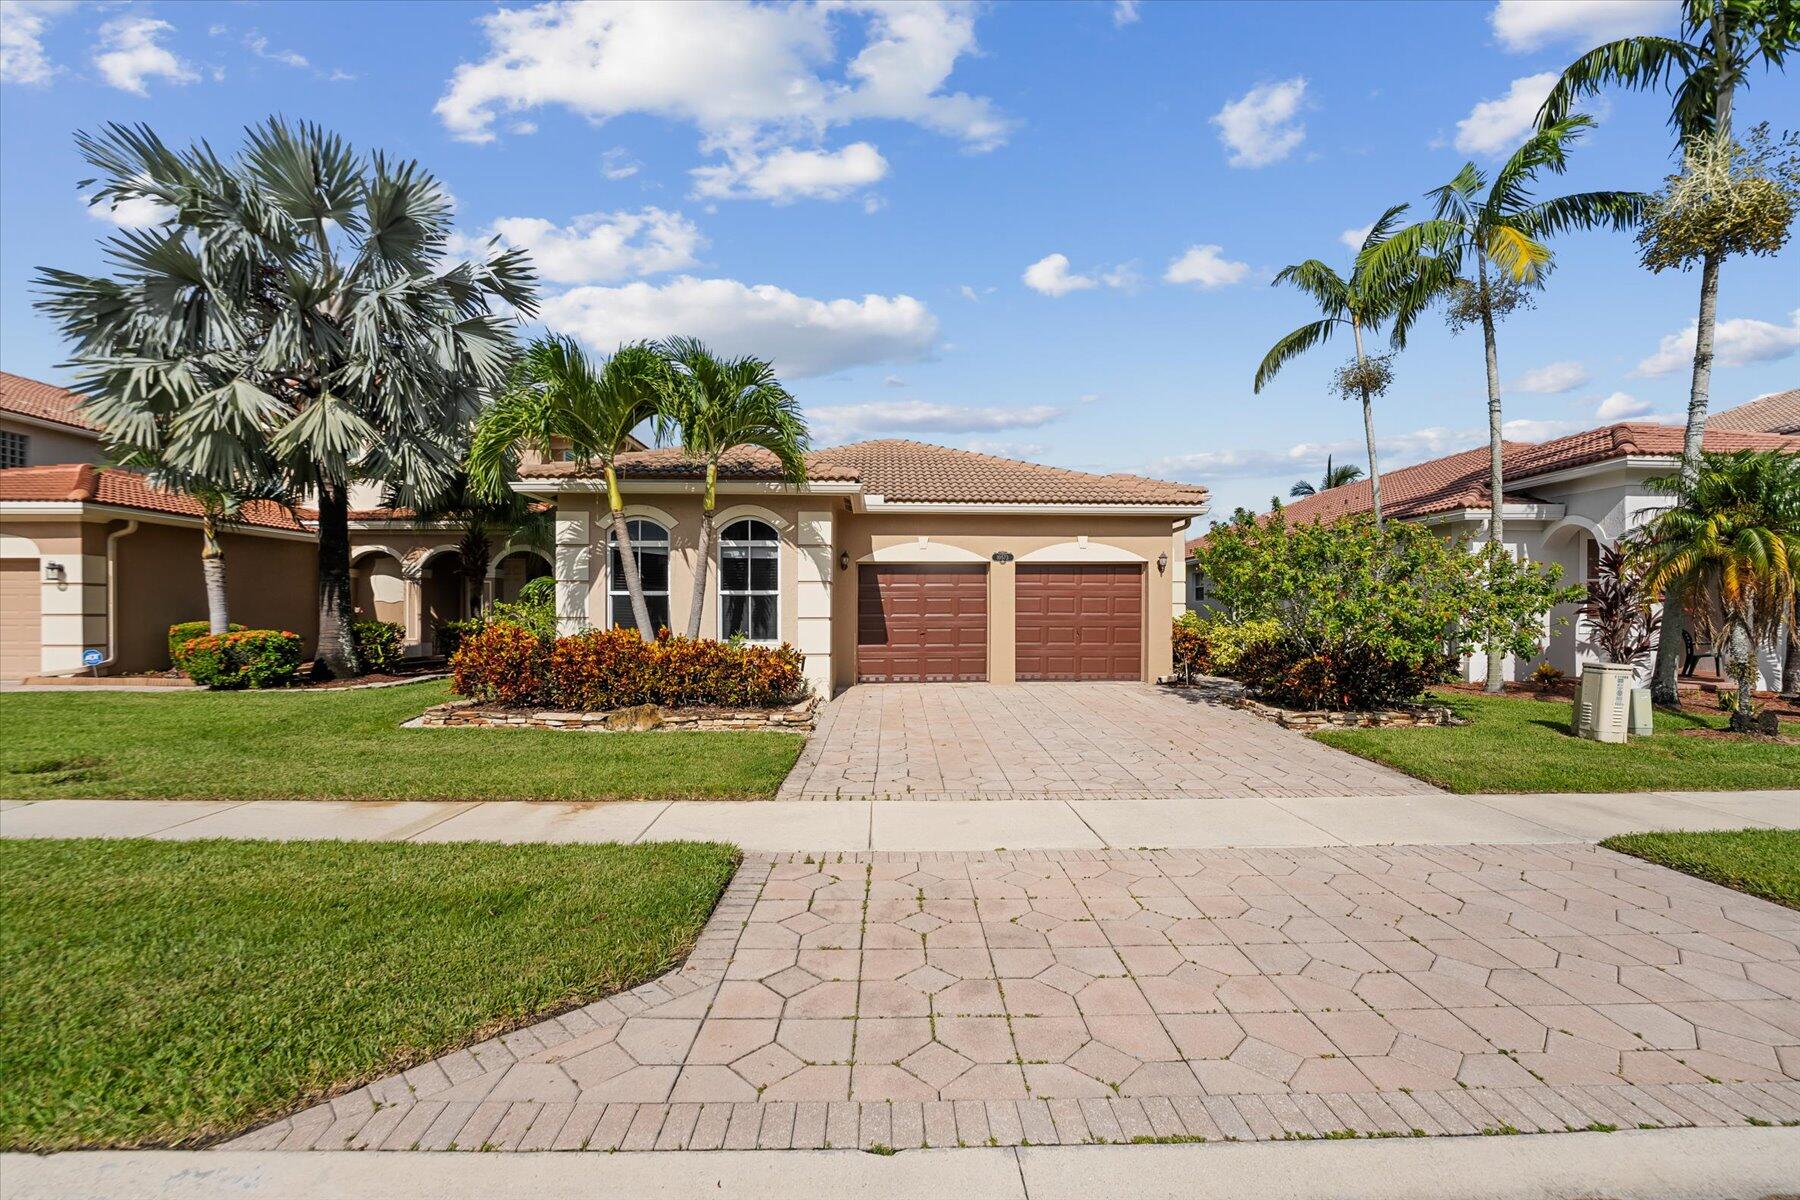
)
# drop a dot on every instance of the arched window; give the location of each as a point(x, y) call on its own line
point(749, 581)
point(650, 546)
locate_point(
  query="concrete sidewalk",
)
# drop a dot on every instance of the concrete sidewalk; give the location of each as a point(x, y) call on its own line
point(1684, 1164)
point(927, 826)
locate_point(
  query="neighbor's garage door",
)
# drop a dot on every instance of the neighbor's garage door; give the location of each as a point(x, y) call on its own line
point(21, 633)
point(921, 624)
point(1080, 622)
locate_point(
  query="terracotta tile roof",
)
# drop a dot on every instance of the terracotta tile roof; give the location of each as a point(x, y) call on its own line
point(743, 463)
point(914, 472)
point(1778, 412)
point(43, 401)
point(89, 484)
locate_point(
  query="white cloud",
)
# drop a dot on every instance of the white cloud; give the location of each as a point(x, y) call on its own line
point(599, 247)
point(129, 53)
point(803, 336)
point(1354, 238)
point(752, 78)
point(1125, 12)
point(259, 46)
point(1551, 379)
point(1521, 25)
point(1621, 406)
point(136, 213)
point(1207, 267)
point(925, 416)
point(1259, 127)
point(1051, 276)
point(1736, 343)
point(617, 163)
point(1496, 126)
point(22, 25)
point(788, 174)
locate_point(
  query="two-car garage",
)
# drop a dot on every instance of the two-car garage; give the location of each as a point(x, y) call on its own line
point(932, 622)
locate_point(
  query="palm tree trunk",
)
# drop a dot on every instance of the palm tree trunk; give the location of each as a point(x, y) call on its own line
point(1496, 480)
point(212, 568)
point(1790, 661)
point(703, 552)
point(1369, 432)
point(337, 647)
point(1743, 656)
point(628, 566)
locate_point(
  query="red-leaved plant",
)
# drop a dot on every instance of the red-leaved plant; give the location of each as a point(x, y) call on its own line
point(1621, 619)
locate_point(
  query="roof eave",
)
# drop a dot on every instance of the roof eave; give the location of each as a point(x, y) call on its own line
point(50, 423)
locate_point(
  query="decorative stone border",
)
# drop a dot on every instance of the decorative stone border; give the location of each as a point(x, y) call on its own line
point(1396, 718)
point(463, 714)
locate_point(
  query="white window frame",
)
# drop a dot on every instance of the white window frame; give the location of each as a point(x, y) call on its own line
point(616, 586)
point(719, 574)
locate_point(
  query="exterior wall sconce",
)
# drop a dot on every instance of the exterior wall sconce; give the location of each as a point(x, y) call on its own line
point(1162, 563)
point(843, 560)
point(55, 572)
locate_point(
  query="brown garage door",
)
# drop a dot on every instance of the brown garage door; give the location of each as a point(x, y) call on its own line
point(921, 624)
point(21, 633)
point(1080, 622)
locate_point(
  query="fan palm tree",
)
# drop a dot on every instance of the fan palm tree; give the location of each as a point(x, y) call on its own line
point(560, 400)
point(1703, 66)
point(1732, 542)
point(715, 406)
point(1362, 303)
point(297, 306)
point(1485, 240)
point(1336, 476)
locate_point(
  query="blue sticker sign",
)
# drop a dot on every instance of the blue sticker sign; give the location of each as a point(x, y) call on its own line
point(92, 658)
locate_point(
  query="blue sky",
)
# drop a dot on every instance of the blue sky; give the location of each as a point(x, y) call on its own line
point(877, 198)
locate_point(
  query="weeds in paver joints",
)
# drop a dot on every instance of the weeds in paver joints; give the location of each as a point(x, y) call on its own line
point(1759, 1121)
point(884, 1151)
point(1166, 1139)
point(1502, 1131)
point(1598, 1127)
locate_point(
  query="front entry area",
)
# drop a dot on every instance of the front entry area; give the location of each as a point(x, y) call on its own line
point(1080, 622)
point(921, 624)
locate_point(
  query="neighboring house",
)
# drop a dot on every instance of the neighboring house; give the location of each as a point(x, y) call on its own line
point(41, 425)
point(1778, 412)
point(896, 561)
point(1565, 500)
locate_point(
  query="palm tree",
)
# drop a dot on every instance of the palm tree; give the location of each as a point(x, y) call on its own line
point(1478, 222)
point(1361, 302)
point(1336, 476)
point(477, 517)
point(1720, 41)
point(297, 307)
point(717, 405)
point(560, 400)
point(1732, 542)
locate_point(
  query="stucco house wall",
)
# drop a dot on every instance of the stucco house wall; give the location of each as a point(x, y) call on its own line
point(47, 443)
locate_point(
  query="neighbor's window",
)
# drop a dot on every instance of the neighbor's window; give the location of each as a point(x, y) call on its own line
point(749, 582)
point(650, 546)
point(15, 449)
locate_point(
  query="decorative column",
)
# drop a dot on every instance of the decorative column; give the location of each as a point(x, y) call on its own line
point(574, 555)
point(812, 596)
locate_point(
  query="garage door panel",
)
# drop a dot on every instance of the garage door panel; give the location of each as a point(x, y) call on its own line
point(21, 630)
point(1079, 622)
point(921, 624)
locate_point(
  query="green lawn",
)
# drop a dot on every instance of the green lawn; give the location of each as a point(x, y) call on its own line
point(1521, 744)
point(158, 993)
point(1763, 862)
point(349, 745)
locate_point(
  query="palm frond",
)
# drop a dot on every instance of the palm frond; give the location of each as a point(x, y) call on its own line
point(1292, 346)
point(1634, 63)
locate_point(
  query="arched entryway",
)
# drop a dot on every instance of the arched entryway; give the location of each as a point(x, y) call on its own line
point(443, 593)
point(514, 569)
point(378, 587)
point(1573, 546)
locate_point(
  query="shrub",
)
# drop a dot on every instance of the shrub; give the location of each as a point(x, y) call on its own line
point(448, 636)
point(1546, 676)
point(1348, 675)
point(614, 668)
point(502, 663)
point(1212, 645)
point(380, 644)
point(257, 658)
point(1193, 653)
point(183, 632)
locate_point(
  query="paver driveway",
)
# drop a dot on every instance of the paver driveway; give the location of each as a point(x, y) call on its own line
point(907, 1000)
point(977, 741)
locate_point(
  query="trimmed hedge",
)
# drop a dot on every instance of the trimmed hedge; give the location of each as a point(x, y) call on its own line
point(183, 632)
point(380, 644)
point(1296, 673)
point(255, 658)
point(614, 668)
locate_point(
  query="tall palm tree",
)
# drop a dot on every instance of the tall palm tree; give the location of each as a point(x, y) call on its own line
point(479, 517)
point(1486, 242)
point(1362, 303)
point(560, 399)
point(1336, 476)
point(298, 306)
point(715, 406)
point(1732, 542)
point(1719, 42)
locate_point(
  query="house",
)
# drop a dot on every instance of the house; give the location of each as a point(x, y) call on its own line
point(894, 561)
point(1566, 499)
point(42, 425)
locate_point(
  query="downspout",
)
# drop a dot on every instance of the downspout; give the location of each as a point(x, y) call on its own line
point(112, 592)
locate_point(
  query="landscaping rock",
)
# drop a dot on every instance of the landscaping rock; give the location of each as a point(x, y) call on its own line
point(640, 718)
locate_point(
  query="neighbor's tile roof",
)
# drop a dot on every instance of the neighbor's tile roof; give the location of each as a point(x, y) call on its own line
point(89, 484)
point(45, 402)
point(910, 472)
point(1778, 412)
point(914, 472)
